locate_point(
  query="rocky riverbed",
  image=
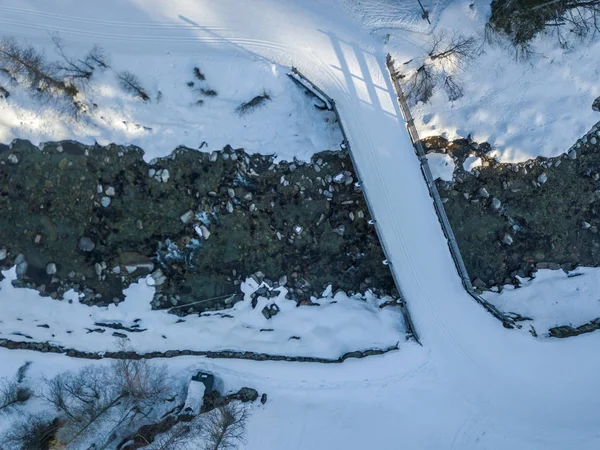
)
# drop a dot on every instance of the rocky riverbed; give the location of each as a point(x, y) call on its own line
point(96, 219)
point(512, 219)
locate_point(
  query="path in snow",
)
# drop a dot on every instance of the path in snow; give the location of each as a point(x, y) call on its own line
point(508, 390)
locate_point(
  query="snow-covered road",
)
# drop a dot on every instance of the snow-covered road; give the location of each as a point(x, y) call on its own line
point(474, 384)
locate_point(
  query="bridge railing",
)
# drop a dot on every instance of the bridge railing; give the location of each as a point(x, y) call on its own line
point(329, 103)
point(437, 201)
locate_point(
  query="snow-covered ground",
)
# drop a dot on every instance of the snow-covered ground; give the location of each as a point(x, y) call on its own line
point(524, 109)
point(340, 324)
point(553, 298)
point(473, 384)
point(441, 165)
point(288, 125)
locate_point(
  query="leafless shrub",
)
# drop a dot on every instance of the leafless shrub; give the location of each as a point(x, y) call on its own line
point(445, 58)
point(208, 92)
point(32, 432)
point(14, 392)
point(22, 372)
point(132, 84)
point(198, 74)
point(225, 427)
point(251, 105)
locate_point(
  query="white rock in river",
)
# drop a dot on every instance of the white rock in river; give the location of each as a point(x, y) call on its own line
point(51, 269)
point(483, 193)
point(164, 176)
point(105, 202)
point(86, 244)
point(3, 254)
point(507, 239)
point(229, 207)
point(185, 218)
point(204, 231)
point(495, 204)
point(542, 178)
point(110, 191)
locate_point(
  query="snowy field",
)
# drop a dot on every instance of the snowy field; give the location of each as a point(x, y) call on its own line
point(288, 125)
point(473, 384)
point(553, 298)
point(340, 324)
point(524, 109)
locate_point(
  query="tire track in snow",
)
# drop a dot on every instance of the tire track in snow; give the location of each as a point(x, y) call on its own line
point(147, 25)
point(145, 38)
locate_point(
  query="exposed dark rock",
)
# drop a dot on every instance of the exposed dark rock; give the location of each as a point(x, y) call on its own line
point(270, 310)
point(543, 213)
point(568, 331)
point(248, 214)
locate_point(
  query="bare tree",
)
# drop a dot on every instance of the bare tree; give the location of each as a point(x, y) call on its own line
point(97, 57)
point(182, 436)
point(452, 88)
point(445, 58)
point(31, 432)
point(455, 51)
point(115, 399)
point(83, 400)
point(522, 20)
point(62, 82)
point(76, 71)
point(225, 427)
point(142, 380)
point(29, 66)
point(132, 84)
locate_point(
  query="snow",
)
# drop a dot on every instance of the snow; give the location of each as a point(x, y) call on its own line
point(473, 384)
point(471, 162)
point(289, 125)
point(441, 165)
point(523, 108)
point(194, 398)
point(341, 324)
point(553, 298)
